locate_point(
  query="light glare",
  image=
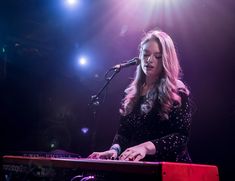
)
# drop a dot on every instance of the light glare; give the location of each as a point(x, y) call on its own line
point(84, 130)
point(71, 2)
point(82, 61)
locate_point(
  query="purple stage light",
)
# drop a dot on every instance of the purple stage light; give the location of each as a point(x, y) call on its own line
point(84, 130)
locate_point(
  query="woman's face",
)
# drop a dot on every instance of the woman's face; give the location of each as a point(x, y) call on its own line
point(151, 61)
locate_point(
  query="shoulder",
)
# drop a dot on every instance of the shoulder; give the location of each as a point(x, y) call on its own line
point(182, 89)
point(184, 94)
point(182, 108)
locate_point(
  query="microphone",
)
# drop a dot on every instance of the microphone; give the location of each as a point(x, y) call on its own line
point(134, 61)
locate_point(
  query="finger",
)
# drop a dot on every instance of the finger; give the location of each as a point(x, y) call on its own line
point(138, 157)
point(132, 156)
point(127, 152)
point(91, 155)
point(114, 156)
point(122, 156)
point(125, 155)
point(106, 155)
point(94, 155)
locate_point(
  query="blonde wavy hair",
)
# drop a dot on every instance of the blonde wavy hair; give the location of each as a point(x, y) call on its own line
point(167, 87)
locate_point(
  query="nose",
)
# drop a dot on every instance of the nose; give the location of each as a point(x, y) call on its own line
point(149, 60)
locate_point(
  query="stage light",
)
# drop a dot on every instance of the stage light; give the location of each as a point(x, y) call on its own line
point(52, 145)
point(84, 130)
point(82, 61)
point(71, 2)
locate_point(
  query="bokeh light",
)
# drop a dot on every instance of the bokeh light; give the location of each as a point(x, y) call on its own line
point(84, 130)
point(82, 61)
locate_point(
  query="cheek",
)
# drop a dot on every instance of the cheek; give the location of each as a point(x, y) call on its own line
point(142, 64)
point(158, 67)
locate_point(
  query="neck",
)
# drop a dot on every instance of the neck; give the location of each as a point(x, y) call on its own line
point(150, 82)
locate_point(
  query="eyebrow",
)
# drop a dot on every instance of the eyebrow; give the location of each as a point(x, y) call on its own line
point(147, 51)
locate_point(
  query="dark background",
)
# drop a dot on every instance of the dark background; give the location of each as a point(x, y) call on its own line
point(44, 93)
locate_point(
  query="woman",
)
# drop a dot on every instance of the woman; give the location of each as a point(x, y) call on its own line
point(155, 113)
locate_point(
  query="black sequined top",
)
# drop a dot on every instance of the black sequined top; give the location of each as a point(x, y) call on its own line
point(170, 136)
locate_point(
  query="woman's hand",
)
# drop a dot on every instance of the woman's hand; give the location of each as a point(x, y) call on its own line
point(135, 153)
point(138, 152)
point(109, 154)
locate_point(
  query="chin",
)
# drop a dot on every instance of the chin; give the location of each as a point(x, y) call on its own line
point(149, 73)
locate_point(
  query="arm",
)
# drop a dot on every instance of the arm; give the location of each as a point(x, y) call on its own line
point(123, 135)
point(171, 144)
point(120, 142)
point(138, 152)
point(180, 126)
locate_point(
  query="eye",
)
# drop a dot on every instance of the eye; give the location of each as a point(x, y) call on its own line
point(146, 55)
point(158, 56)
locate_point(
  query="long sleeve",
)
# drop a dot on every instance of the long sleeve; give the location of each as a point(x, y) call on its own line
point(174, 143)
point(170, 137)
point(123, 135)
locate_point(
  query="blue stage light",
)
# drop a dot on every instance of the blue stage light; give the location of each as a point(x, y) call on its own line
point(82, 61)
point(71, 2)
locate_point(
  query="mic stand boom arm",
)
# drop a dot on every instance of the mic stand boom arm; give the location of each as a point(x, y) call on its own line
point(96, 102)
point(95, 98)
point(116, 69)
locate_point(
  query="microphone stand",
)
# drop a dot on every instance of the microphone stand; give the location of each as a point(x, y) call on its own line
point(95, 101)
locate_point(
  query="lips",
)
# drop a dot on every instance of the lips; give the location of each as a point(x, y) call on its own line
point(148, 66)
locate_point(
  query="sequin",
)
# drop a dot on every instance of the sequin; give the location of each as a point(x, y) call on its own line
point(170, 137)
